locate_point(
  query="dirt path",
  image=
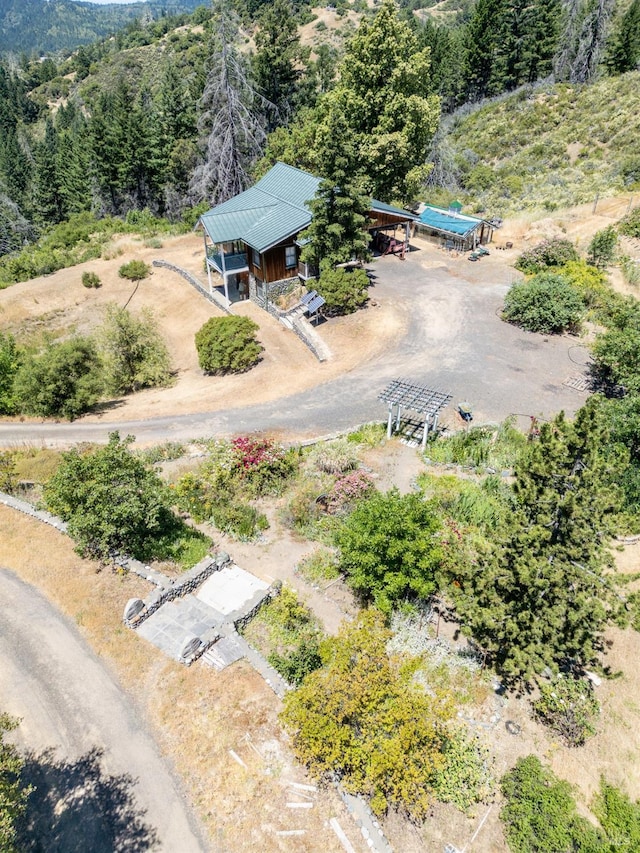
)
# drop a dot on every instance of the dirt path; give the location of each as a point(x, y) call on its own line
point(102, 785)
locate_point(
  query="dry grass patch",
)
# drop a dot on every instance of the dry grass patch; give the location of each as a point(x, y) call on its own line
point(197, 715)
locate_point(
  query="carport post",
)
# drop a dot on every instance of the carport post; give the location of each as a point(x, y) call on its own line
point(389, 422)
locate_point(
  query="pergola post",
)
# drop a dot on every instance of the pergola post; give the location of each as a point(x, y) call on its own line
point(398, 418)
point(390, 421)
point(425, 431)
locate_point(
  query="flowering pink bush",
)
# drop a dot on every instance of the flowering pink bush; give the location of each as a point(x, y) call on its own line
point(264, 464)
point(348, 489)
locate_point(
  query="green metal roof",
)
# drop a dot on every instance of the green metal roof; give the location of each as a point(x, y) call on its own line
point(272, 210)
point(381, 207)
point(267, 213)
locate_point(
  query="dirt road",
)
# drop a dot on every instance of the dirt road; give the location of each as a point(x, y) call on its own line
point(101, 783)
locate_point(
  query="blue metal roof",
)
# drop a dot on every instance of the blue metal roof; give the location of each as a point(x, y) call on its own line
point(272, 210)
point(444, 220)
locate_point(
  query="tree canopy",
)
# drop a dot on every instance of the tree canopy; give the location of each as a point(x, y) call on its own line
point(363, 719)
point(113, 503)
point(389, 548)
point(540, 597)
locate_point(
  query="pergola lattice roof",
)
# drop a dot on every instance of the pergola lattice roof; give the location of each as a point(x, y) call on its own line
point(419, 399)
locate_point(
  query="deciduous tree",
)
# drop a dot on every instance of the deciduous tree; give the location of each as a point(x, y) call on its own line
point(112, 501)
point(362, 719)
point(134, 354)
point(389, 549)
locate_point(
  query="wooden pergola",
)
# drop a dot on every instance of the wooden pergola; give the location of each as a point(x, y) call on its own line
point(401, 395)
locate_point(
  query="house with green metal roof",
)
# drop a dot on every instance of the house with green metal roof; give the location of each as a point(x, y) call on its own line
point(251, 240)
point(453, 229)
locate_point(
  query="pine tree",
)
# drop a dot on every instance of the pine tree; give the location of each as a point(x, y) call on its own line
point(540, 599)
point(48, 202)
point(482, 36)
point(527, 43)
point(623, 51)
point(339, 210)
point(275, 64)
point(231, 127)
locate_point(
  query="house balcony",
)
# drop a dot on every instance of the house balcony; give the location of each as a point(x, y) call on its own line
point(232, 263)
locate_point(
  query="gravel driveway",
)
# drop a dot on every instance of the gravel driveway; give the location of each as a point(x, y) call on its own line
point(455, 342)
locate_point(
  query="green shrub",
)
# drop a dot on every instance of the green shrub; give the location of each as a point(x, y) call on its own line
point(112, 502)
point(602, 248)
point(319, 567)
point(567, 705)
point(619, 817)
point(287, 632)
point(134, 270)
point(344, 291)
point(546, 303)
point(228, 345)
point(630, 269)
point(550, 253)
point(263, 466)
point(64, 380)
point(371, 435)
point(238, 519)
point(389, 549)
point(540, 814)
point(91, 279)
point(630, 224)
point(9, 363)
point(165, 452)
point(334, 457)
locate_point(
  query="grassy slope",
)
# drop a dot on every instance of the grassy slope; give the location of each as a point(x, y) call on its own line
point(555, 147)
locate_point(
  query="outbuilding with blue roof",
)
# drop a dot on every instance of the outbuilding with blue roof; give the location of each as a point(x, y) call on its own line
point(453, 229)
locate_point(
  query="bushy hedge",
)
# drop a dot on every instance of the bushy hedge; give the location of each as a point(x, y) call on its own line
point(343, 291)
point(546, 303)
point(630, 225)
point(228, 345)
point(548, 254)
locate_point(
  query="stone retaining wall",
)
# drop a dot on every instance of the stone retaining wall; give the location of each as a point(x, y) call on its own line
point(194, 282)
point(186, 583)
point(29, 509)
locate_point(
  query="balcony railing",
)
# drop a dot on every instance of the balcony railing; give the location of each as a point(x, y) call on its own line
point(232, 263)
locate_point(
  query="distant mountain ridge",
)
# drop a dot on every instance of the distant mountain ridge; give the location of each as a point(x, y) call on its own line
point(47, 26)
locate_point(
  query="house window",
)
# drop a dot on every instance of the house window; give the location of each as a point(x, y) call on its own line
point(255, 257)
point(290, 257)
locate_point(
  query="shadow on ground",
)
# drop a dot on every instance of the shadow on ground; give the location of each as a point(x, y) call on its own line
point(76, 807)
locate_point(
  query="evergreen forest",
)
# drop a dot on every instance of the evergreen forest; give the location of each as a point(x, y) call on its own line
point(173, 112)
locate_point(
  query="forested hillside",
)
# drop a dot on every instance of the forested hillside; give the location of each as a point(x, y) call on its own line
point(42, 27)
point(186, 110)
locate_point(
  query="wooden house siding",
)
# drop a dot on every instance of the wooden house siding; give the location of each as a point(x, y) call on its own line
point(273, 265)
